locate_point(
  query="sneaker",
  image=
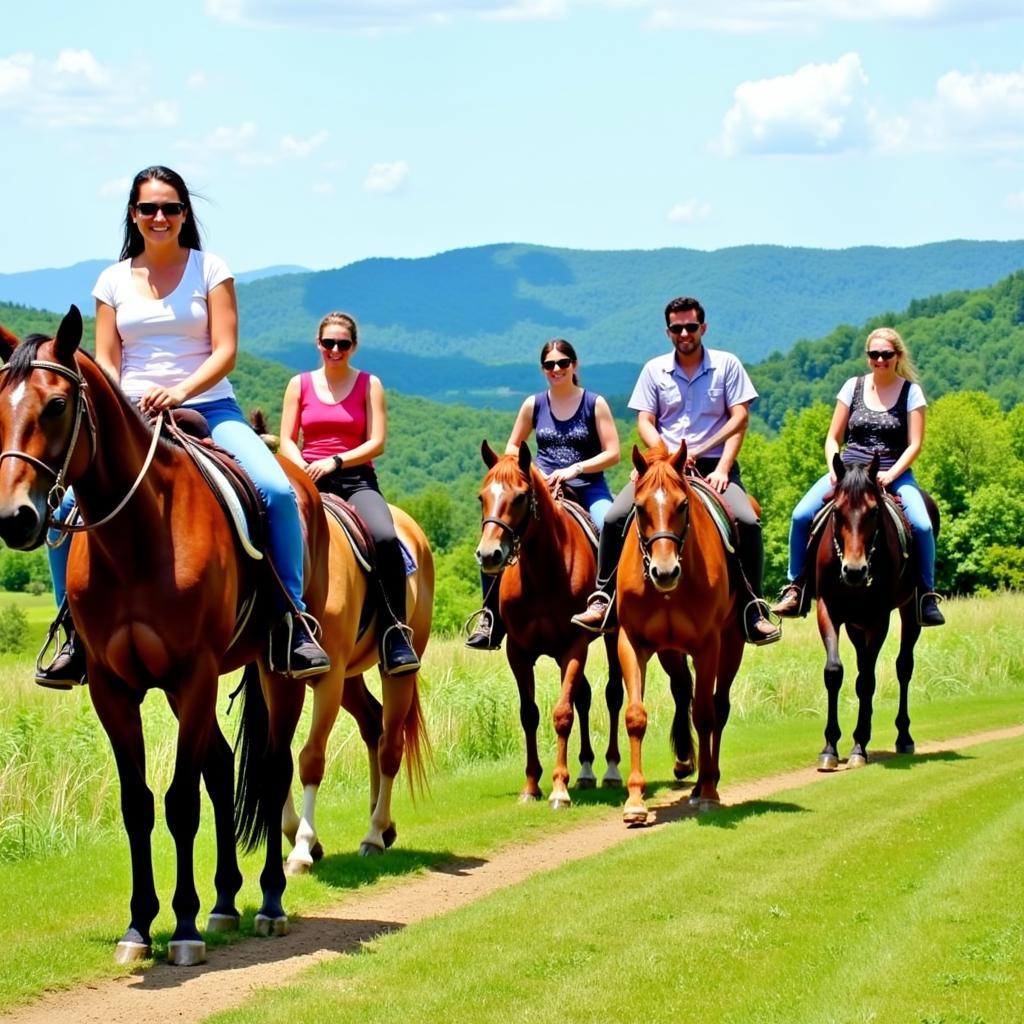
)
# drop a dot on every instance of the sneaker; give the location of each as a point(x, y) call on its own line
point(597, 615)
point(483, 637)
point(929, 610)
point(67, 668)
point(788, 604)
point(757, 627)
point(397, 656)
point(302, 655)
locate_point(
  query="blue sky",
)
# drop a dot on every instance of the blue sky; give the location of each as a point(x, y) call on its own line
point(322, 132)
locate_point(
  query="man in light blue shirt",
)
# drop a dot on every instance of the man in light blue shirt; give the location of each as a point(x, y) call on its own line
point(702, 396)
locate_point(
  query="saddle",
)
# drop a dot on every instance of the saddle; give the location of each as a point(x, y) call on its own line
point(574, 509)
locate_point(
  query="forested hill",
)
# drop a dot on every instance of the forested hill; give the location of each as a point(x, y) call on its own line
point(497, 304)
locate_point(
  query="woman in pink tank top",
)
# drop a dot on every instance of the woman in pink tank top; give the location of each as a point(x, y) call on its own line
point(342, 416)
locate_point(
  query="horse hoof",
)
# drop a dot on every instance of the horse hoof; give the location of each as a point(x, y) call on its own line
point(611, 782)
point(905, 748)
point(856, 761)
point(222, 923)
point(316, 851)
point(129, 952)
point(586, 782)
point(559, 803)
point(389, 835)
point(706, 804)
point(634, 814)
point(186, 952)
point(529, 798)
point(682, 769)
point(294, 868)
point(268, 926)
point(370, 849)
point(827, 762)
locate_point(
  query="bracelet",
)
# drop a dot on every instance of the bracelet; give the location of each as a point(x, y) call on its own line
point(338, 461)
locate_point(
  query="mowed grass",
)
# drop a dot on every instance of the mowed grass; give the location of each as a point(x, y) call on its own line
point(63, 854)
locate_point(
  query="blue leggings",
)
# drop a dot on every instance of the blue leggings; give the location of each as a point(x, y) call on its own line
point(231, 431)
point(904, 486)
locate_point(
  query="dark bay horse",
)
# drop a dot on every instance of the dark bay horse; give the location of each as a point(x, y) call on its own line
point(861, 575)
point(388, 731)
point(675, 594)
point(155, 579)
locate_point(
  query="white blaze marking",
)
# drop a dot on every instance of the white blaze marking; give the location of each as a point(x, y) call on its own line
point(660, 497)
point(17, 394)
point(496, 490)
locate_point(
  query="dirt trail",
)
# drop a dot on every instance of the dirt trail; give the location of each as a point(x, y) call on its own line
point(163, 993)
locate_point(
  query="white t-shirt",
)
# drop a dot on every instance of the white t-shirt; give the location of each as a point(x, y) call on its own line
point(163, 341)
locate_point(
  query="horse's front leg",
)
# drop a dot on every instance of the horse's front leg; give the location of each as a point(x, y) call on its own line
point(529, 717)
point(118, 710)
point(868, 644)
point(705, 720)
point(910, 630)
point(572, 693)
point(219, 776)
point(681, 685)
point(828, 759)
point(368, 713)
point(634, 665)
point(613, 695)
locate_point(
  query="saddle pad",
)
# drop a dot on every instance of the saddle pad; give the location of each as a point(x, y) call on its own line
point(228, 498)
point(582, 516)
point(892, 506)
point(359, 535)
point(709, 498)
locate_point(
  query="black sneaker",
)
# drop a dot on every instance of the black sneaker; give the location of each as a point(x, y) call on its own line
point(396, 654)
point(67, 668)
point(294, 651)
point(929, 610)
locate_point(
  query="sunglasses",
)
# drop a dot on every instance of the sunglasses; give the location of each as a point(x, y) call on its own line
point(167, 209)
point(556, 364)
point(678, 329)
point(884, 356)
point(343, 344)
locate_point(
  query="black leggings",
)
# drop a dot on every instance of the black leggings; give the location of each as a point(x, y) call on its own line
point(358, 486)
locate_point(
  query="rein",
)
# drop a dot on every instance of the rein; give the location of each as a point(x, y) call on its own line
point(83, 412)
point(515, 531)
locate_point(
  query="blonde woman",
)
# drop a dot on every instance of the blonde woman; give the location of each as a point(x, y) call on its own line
point(880, 412)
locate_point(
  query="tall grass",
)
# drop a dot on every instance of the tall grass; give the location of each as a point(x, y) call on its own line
point(58, 783)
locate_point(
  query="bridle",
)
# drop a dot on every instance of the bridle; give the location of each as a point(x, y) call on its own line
point(516, 532)
point(872, 547)
point(678, 539)
point(82, 414)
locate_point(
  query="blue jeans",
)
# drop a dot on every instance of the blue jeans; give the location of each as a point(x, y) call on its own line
point(904, 486)
point(231, 431)
point(596, 498)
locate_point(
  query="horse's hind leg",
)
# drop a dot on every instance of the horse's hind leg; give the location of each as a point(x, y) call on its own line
point(582, 700)
point(613, 696)
point(681, 685)
point(910, 630)
point(219, 775)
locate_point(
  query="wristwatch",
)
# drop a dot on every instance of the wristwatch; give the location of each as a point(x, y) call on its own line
point(338, 461)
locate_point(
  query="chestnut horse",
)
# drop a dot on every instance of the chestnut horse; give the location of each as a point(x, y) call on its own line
point(548, 568)
point(861, 575)
point(154, 581)
point(388, 731)
point(675, 593)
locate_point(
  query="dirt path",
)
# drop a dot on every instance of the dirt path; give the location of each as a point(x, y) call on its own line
point(163, 993)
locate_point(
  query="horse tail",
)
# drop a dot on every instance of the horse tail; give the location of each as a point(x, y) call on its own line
point(251, 745)
point(418, 752)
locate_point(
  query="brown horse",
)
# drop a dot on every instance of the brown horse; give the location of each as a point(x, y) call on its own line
point(387, 731)
point(154, 582)
point(861, 575)
point(675, 593)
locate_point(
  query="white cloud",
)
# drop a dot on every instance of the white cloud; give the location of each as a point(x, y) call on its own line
point(303, 147)
point(820, 108)
point(115, 188)
point(692, 211)
point(74, 90)
point(386, 178)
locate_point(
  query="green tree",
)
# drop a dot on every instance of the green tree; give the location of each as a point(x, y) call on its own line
point(13, 629)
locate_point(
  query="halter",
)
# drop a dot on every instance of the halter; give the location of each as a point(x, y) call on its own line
point(872, 547)
point(83, 412)
point(679, 539)
point(516, 531)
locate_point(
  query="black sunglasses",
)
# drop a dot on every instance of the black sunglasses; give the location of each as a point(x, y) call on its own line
point(344, 344)
point(167, 209)
point(679, 328)
point(886, 355)
point(556, 364)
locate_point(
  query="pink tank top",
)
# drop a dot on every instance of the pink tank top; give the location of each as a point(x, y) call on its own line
point(335, 427)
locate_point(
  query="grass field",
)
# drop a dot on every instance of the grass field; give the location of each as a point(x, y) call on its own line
point(63, 856)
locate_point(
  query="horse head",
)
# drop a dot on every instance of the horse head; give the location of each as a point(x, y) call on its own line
point(508, 501)
point(41, 412)
point(856, 526)
point(662, 504)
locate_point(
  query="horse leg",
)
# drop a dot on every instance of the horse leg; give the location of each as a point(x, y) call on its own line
point(868, 643)
point(681, 685)
point(219, 776)
point(828, 759)
point(613, 695)
point(705, 720)
point(306, 846)
point(573, 683)
point(583, 698)
point(118, 710)
point(729, 660)
point(529, 717)
point(910, 630)
point(368, 713)
point(634, 665)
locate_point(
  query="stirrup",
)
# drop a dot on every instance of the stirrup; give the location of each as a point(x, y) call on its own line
point(760, 639)
point(284, 631)
point(480, 619)
point(406, 633)
point(920, 601)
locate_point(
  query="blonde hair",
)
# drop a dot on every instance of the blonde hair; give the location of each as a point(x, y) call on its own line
point(905, 367)
point(342, 320)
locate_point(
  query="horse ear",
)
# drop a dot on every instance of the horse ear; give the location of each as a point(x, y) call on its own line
point(487, 454)
point(69, 334)
point(678, 461)
point(837, 466)
point(639, 462)
point(524, 457)
point(8, 343)
point(873, 470)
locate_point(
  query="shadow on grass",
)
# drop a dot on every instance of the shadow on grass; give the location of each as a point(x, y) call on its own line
point(904, 762)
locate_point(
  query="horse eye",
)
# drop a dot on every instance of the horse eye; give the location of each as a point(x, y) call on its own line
point(55, 407)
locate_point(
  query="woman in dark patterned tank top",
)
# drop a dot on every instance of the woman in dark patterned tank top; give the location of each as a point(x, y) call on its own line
point(344, 422)
point(576, 442)
point(881, 412)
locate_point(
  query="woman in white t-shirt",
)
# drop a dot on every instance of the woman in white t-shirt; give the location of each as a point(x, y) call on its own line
point(167, 329)
point(879, 413)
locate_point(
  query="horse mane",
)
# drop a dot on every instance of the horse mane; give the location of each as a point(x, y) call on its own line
point(20, 364)
point(659, 464)
point(856, 483)
point(506, 471)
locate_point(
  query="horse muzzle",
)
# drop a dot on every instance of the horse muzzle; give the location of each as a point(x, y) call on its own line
point(22, 525)
point(855, 575)
point(665, 576)
point(492, 558)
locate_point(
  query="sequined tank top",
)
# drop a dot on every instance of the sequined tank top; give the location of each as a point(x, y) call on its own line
point(560, 443)
point(871, 431)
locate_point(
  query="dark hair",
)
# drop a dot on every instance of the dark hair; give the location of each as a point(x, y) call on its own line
point(684, 304)
point(189, 236)
point(561, 345)
point(339, 319)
